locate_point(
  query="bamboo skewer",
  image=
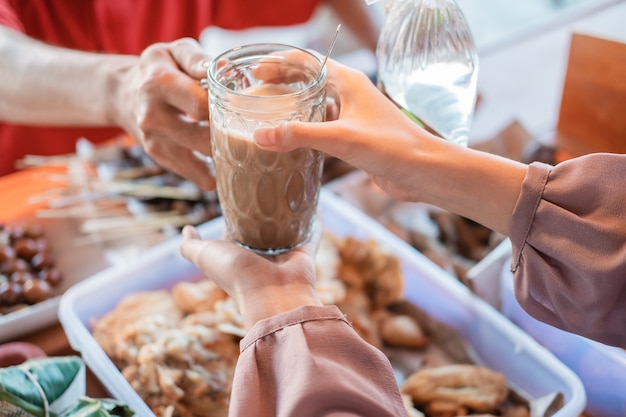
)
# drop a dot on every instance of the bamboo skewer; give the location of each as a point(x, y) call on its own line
point(150, 221)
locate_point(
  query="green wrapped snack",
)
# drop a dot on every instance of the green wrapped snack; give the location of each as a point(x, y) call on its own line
point(52, 387)
point(41, 387)
point(89, 407)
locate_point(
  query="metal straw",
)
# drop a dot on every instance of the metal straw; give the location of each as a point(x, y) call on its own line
point(330, 48)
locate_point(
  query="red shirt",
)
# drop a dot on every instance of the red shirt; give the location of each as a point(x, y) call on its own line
point(127, 27)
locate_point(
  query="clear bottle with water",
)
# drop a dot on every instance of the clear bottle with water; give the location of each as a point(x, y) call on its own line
point(428, 64)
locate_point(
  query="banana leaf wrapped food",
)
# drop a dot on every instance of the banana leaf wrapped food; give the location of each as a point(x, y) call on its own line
point(52, 387)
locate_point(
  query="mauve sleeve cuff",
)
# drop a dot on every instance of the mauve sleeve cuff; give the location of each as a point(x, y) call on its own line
point(310, 362)
point(300, 315)
point(568, 232)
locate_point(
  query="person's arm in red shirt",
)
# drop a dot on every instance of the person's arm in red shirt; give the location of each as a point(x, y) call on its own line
point(154, 97)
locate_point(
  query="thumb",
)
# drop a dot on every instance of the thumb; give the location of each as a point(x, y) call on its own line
point(191, 246)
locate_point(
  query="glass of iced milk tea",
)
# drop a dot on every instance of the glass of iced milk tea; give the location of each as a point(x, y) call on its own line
point(269, 199)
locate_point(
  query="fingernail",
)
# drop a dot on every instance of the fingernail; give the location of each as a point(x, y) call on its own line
point(265, 136)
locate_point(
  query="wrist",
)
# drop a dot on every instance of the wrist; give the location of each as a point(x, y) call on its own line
point(268, 301)
point(117, 71)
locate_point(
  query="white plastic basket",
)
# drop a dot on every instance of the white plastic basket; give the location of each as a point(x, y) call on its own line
point(530, 369)
point(601, 368)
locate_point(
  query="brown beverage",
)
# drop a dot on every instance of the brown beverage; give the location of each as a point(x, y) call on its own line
point(268, 199)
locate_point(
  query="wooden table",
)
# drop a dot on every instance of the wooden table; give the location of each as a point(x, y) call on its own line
point(18, 189)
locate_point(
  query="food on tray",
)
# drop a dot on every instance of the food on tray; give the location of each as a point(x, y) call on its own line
point(456, 390)
point(53, 386)
point(172, 352)
point(178, 348)
point(28, 273)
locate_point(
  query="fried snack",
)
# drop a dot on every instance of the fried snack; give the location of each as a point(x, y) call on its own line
point(196, 297)
point(134, 322)
point(411, 411)
point(187, 370)
point(456, 389)
point(329, 287)
point(180, 364)
point(515, 410)
point(365, 265)
point(402, 331)
point(357, 308)
point(178, 348)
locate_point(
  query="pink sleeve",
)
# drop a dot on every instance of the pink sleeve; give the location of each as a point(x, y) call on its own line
point(569, 246)
point(310, 362)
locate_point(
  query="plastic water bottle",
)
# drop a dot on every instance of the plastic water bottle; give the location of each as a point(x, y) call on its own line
point(428, 64)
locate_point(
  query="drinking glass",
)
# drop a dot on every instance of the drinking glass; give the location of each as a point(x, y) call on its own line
point(268, 199)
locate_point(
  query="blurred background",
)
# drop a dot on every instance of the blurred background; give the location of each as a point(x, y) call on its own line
point(523, 48)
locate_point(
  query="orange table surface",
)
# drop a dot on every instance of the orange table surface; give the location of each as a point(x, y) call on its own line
point(18, 189)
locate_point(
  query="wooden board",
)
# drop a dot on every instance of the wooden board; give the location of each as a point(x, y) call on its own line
point(593, 105)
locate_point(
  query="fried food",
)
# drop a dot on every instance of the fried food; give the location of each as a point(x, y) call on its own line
point(357, 308)
point(189, 370)
point(178, 348)
point(402, 330)
point(365, 265)
point(180, 364)
point(457, 388)
point(134, 322)
point(196, 297)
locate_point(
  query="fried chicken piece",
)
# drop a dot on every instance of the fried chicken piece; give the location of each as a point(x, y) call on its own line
point(475, 388)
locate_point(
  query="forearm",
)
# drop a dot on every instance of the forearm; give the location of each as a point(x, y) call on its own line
point(47, 85)
point(476, 185)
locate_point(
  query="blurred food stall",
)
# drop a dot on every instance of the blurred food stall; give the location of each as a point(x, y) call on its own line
point(107, 206)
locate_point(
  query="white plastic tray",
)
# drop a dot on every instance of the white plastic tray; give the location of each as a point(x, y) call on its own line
point(601, 368)
point(530, 369)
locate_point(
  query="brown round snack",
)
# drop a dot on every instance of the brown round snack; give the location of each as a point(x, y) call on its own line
point(42, 260)
point(15, 265)
point(20, 277)
point(15, 232)
point(51, 275)
point(11, 293)
point(36, 290)
point(27, 270)
point(6, 253)
point(26, 248)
